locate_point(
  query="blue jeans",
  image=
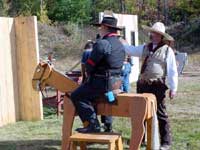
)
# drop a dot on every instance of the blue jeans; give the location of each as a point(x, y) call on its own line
point(125, 77)
point(125, 83)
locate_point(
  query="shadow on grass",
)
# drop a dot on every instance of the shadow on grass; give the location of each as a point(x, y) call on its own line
point(30, 145)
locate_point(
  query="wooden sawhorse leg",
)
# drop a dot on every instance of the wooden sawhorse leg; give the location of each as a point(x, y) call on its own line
point(68, 119)
point(74, 145)
point(149, 133)
point(83, 146)
point(119, 144)
point(111, 146)
point(138, 111)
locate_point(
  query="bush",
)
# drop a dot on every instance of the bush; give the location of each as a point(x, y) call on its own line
point(75, 34)
point(44, 17)
point(60, 50)
point(69, 11)
point(70, 28)
point(3, 8)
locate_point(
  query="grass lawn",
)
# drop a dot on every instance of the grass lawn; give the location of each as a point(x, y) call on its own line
point(184, 114)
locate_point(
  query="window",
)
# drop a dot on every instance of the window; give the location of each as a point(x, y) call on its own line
point(123, 33)
point(133, 38)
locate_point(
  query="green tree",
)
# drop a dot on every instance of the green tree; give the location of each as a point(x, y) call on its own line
point(25, 7)
point(184, 10)
point(29, 7)
point(3, 8)
point(117, 6)
point(69, 11)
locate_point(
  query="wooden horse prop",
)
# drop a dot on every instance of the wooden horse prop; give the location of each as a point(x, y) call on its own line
point(139, 107)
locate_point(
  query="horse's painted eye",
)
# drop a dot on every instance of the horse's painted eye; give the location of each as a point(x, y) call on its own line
point(38, 70)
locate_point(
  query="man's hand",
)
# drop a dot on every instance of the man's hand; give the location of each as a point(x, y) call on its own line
point(172, 94)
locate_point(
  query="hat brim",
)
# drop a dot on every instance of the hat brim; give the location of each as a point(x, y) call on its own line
point(166, 36)
point(114, 27)
point(169, 38)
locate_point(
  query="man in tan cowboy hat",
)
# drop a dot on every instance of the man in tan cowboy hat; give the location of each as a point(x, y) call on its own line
point(159, 66)
point(104, 63)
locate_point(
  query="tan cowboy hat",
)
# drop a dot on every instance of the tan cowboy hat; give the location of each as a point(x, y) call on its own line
point(159, 28)
point(169, 38)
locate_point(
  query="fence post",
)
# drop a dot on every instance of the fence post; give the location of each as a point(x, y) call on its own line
point(8, 80)
point(27, 54)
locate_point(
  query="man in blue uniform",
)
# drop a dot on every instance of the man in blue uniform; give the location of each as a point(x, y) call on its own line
point(104, 63)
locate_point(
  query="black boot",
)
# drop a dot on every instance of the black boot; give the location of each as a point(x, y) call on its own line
point(108, 127)
point(93, 127)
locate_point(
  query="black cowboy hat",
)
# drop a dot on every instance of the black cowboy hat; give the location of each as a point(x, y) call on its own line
point(110, 21)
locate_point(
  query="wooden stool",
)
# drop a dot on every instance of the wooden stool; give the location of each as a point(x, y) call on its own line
point(113, 140)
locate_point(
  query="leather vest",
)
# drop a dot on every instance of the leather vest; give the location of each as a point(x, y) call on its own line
point(156, 65)
point(113, 61)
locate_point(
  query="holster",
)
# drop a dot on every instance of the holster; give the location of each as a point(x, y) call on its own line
point(113, 82)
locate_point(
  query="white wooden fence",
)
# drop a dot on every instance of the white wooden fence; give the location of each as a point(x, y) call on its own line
point(18, 59)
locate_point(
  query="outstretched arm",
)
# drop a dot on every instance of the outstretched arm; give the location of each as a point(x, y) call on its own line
point(134, 50)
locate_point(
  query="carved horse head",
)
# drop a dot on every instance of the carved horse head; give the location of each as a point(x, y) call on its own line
point(46, 75)
point(42, 73)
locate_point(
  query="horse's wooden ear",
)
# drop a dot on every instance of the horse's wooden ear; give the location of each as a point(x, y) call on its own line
point(42, 63)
